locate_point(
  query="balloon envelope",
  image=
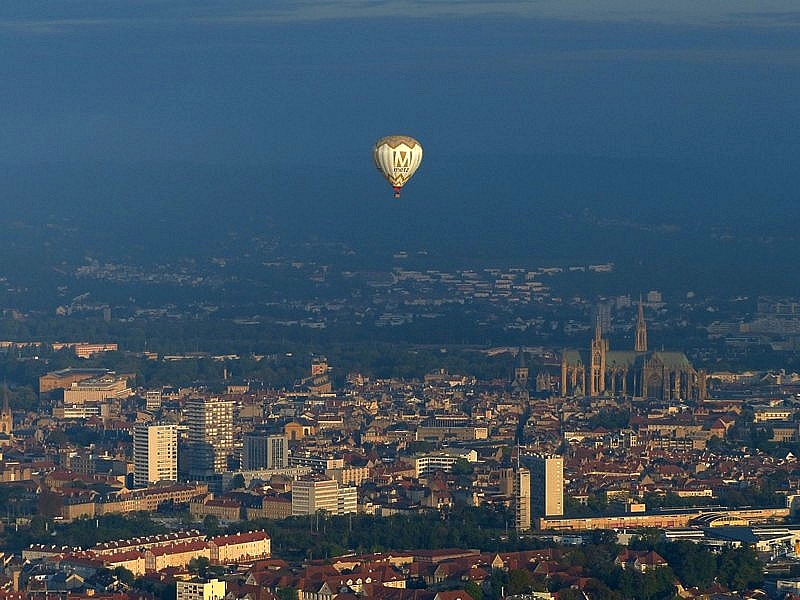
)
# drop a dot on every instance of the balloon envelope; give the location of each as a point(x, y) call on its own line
point(397, 157)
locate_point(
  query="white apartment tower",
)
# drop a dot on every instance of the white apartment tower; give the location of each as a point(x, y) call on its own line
point(547, 485)
point(210, 440)
point(522, 499)
point(155, 453)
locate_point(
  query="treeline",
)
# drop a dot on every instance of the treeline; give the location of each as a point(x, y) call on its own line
point(696, 566)
point(280, 367)
point(81, 533)
point(324, 536)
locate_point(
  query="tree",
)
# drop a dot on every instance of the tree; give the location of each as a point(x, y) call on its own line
point(124, 575)
point(570, 594)
point(496, 582)
point(286, 593)
point(694, 565)
point(199, 565)
point(474, 590)
point(604, 536)
point(49, 503)
point(597, 590)
point(461, 467)
point(211, 525)
point(740, 569)
point(519, 581)
point(39, 525)
point(656, 584)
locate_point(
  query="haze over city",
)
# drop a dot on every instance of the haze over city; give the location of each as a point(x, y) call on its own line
point(640, 133)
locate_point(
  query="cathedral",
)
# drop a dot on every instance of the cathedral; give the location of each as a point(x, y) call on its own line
point(639, 373)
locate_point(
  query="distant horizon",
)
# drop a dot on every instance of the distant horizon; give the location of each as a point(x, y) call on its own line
point(62, 15)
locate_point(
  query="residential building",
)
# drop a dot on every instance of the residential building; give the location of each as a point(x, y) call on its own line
point(347, 500)
point(546, 485)
point(442, 460)
point(242, 546)
point(153, 399)
point(200, 590)
point(522, 499)
point(210, 442)
point(155, 453)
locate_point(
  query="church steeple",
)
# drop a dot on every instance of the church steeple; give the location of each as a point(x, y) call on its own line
point(6, 416)
point(641, 330)
point(597, 368)
point(521, 369)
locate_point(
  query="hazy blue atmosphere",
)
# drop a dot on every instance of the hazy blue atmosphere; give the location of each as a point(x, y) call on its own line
point(662, 138)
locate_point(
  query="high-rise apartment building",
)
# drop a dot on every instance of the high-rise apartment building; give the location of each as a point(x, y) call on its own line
point(546, 485)
point(210, 439)
point(522, 499)
point(516, 483)
point(155, 453)
point(263, 451)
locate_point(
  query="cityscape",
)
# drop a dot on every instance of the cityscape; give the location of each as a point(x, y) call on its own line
point(364, 300)
point(564, 444)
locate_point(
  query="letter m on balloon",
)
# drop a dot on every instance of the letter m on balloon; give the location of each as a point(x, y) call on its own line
point(401, 160)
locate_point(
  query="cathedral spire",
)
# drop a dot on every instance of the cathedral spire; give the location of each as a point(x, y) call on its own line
point(6, 416)
point(641, 330)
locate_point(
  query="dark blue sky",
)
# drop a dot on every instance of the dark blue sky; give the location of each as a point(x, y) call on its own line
point(231, 81)
point(627, 107)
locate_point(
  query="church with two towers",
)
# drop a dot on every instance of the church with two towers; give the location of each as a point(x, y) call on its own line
point(638, 373)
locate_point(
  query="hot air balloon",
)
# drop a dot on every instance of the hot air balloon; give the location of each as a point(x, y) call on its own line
point(397, 157)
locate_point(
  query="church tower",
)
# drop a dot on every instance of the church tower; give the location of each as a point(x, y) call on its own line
point(520, 383)
point(6, 417)
point(597, 373)
point(641, 330)
point(521, 370)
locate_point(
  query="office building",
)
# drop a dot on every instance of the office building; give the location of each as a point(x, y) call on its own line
point(316, 492)
point(347, 500)
point(263, 451)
